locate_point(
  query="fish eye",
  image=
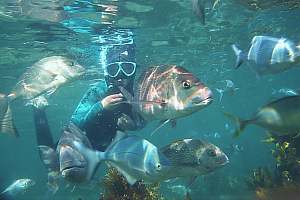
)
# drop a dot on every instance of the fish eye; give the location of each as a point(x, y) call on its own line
point(211, 153)
point(186, 84)
point(158, 166)
point(72, 63)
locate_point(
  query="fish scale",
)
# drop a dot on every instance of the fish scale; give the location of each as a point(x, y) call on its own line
point(181, 152)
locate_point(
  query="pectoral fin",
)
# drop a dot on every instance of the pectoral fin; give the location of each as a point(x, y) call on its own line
point(130, 179)
point(162, 123)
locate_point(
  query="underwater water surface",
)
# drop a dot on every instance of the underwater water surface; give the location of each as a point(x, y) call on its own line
point(165, 32)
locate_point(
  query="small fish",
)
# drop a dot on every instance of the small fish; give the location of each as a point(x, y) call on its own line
point(135, 158)
point(269, 54)
point(280, 117)
point(228, 88)
point(192, 158)
point(19, 186)
point(45, 76)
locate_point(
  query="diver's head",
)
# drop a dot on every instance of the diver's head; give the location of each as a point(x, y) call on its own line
point(121, 66)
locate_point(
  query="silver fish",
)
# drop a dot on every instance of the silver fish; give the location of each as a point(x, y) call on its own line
point(134, 157)
point(45, 76)
point(17, 187)
point(193, 157)
point(228, 88)
point(269, 54)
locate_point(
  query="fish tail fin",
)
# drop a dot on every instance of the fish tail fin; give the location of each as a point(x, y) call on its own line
point(93, 157)
point(6, 196)
point(6, 123)
point(240, 56)
point(240, 124)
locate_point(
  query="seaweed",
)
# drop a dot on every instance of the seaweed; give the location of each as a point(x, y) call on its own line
point(260, 178)
point(287, 157)
point(117, 188)
point(285, 178)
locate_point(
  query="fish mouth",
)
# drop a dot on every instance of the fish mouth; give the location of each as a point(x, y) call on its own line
point(224, 161)
point(72, 167)
point(198, 101)
point(67, 169)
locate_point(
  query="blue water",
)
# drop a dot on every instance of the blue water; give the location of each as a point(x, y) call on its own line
point(166, 32)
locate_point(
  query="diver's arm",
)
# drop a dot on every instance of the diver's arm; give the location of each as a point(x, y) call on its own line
point(90, 105)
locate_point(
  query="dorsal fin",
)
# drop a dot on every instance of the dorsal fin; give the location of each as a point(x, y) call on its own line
point(119, 136)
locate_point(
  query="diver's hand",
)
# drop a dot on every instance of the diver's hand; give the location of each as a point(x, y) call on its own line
point(111, 101)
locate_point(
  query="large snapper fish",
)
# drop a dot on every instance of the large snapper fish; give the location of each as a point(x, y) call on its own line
point(44, 76)
point(169, 92)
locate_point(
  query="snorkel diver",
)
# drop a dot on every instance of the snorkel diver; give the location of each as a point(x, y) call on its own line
point(100, 114)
